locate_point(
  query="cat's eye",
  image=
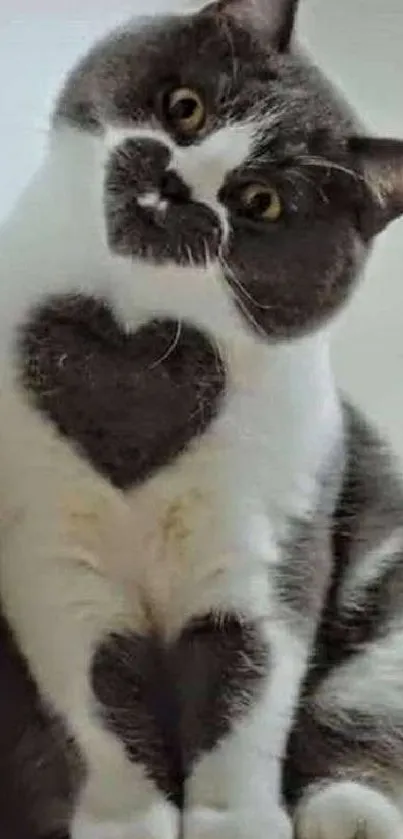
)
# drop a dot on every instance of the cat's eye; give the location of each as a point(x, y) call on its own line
point(184, 111)
point(261, 202)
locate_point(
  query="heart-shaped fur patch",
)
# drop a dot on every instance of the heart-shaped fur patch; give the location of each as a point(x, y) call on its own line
point(130, 402)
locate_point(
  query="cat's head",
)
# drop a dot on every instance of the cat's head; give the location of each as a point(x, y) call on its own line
point(233, 176)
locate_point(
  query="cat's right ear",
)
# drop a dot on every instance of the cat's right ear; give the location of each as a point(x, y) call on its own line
point(380, 164)
point(274, 19)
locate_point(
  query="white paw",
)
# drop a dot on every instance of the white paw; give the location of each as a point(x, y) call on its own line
point(160, 822)
point(205, 823)
point(347, 810)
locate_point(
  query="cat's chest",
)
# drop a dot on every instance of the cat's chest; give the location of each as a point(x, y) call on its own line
point(211, 455)
point(160, 416)
point(130, 403)
point(190, 533)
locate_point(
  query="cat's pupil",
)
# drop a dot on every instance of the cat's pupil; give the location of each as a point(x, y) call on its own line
point(184, 109)
point(261, 203)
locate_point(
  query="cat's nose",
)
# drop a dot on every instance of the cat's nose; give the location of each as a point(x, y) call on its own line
point(173, 188)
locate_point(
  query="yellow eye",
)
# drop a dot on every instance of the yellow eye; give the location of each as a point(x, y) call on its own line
point(185, 110)
point(262, 202)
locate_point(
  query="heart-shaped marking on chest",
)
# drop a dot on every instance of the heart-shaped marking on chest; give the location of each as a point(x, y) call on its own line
point(130, 402)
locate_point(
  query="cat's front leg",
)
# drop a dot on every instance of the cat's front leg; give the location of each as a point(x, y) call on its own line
point(63, 609)
point(68, 611)
point(159, 820)
point(243, 672)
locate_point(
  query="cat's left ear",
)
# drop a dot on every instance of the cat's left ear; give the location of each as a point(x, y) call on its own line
point(274, 19)
point(380, 162)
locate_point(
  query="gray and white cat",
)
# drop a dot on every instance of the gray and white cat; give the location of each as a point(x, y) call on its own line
point(201, 544)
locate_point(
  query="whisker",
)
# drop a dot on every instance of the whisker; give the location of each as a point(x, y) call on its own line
point(207, 254)
point(293, 174)
point(189, 256)
point(324, 163)
point(171, 348)
point(248, 315)
point(217, 355)
point(234, 61)
point(244, 291)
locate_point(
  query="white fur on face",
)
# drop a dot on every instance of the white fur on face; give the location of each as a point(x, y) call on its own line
point(197, 293)
point(56, 239)
point(203, 166)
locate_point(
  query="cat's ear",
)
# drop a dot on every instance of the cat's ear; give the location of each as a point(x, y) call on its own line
point(380, 162)
point(274, 19)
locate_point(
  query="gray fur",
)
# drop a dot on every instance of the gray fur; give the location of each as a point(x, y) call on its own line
point(170, 703)
point(40, 769)
point(307, 152)
point(287, 279)
point(127, 414)
point(322, 745)
point(187, 227)
point(327, 741)
point(305, 573)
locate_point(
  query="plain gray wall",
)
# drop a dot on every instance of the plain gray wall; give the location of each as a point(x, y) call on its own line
point(359, 42)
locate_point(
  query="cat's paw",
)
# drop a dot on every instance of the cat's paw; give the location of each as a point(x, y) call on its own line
point(347, 810)
point(205, 823)
point(160, 822)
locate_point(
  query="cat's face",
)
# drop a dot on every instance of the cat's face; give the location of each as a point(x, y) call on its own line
point(229, 155)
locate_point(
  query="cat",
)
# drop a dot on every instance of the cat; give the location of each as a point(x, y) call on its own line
point(201, 540)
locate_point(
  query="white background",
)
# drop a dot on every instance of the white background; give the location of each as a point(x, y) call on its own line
point(360, 43)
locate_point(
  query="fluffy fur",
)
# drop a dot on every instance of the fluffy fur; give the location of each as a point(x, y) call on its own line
point(198, 536)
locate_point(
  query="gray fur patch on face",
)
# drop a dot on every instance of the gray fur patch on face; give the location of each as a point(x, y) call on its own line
point(122, 80)
point(130, 402)
point(169, 704)
point(353, 742)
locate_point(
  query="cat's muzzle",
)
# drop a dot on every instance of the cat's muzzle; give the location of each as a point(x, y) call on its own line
point(152, 213)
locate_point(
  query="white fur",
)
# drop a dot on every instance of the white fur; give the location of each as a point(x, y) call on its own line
point(254, 822)
point(79, 558)
point(153, 201)
point(347, 810)
point(160, 821)
point(237, 785)
point(203, 167)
